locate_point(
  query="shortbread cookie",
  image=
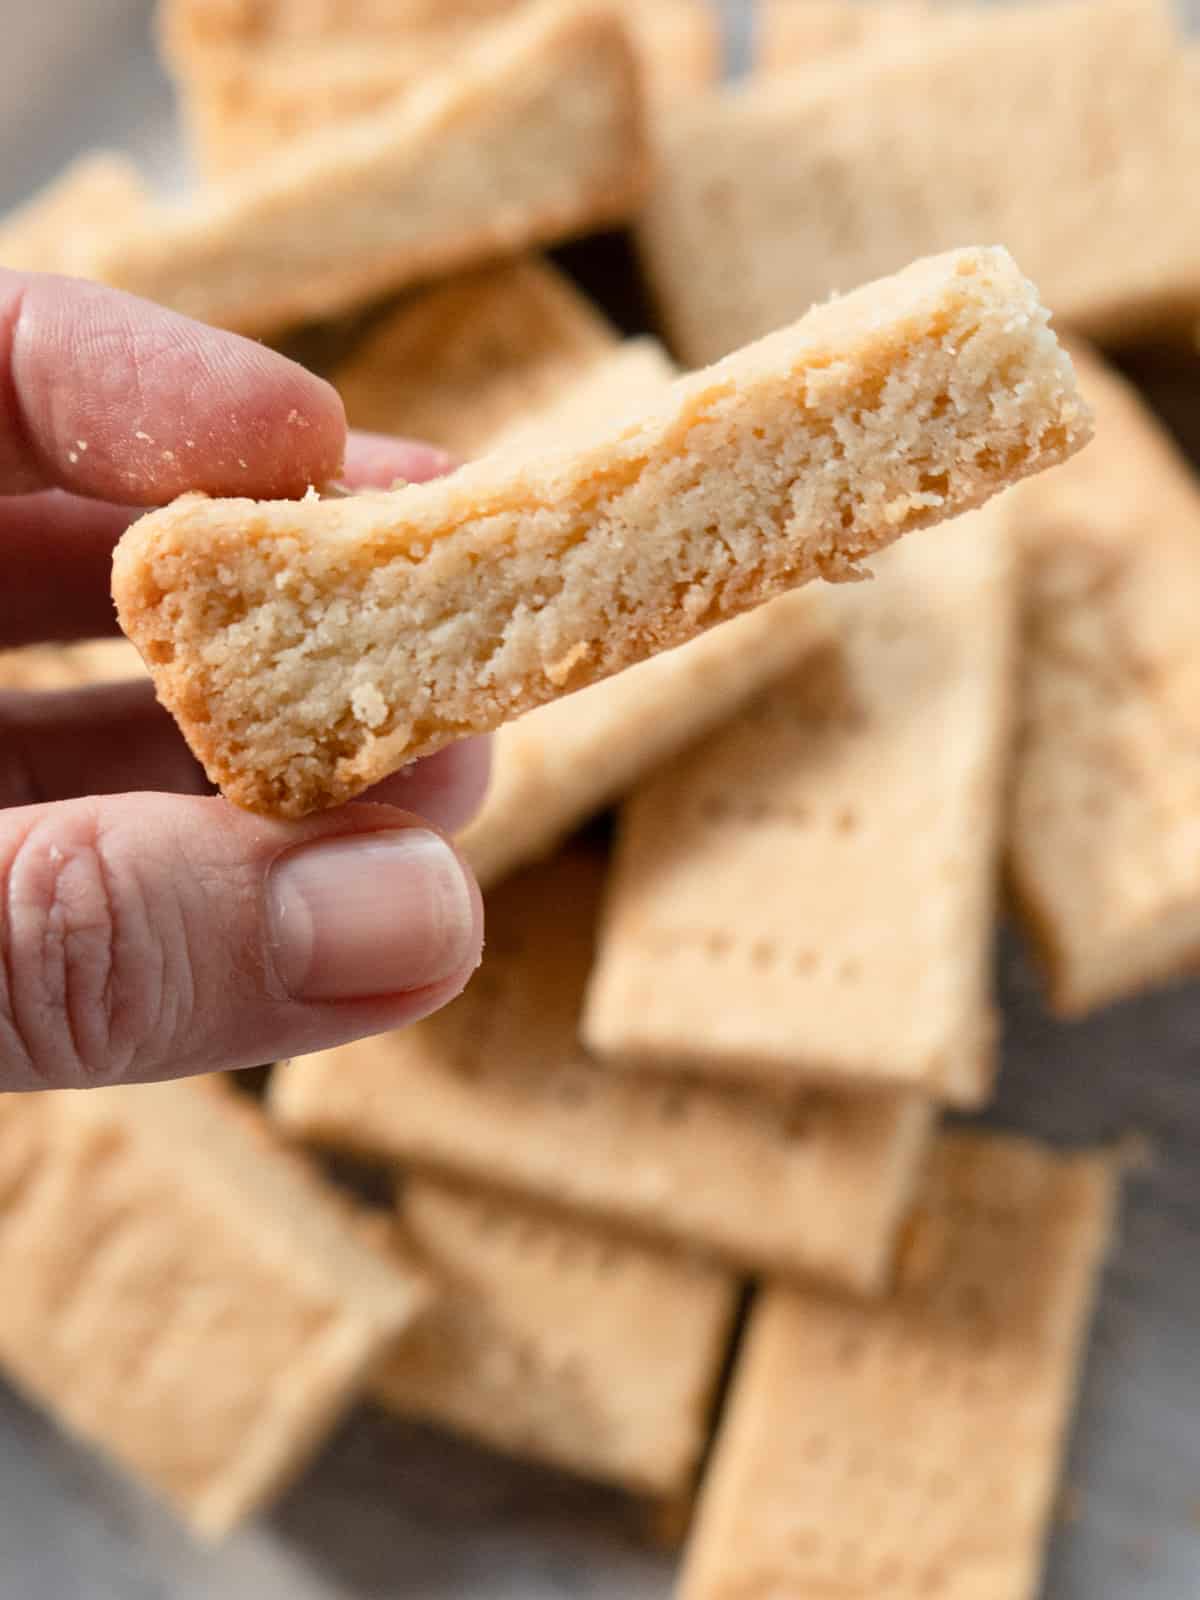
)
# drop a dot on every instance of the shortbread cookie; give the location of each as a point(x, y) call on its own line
point(912, 1449)
point(810, 894)
point(309, 649)
point(487, 361)
point(535, 133)
point(630, 374)
point(459, 363)
point(496, 358)
point(254, 103)
point(37, 668)
point(1108, 762)
point(244, 101)
point(497, 1089)
point(554, 1340)
point(182, 1293)
point(680, 38)
point(245, 105)
point(104, 661)
point(793, 34)
point(555, 767)
point(70, 666)
point(483, 361)
point(680, 47)
point(61, 228)
point(194, 30)
point(773, 194)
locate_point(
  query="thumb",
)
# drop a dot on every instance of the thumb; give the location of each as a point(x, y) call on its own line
point(150, 936)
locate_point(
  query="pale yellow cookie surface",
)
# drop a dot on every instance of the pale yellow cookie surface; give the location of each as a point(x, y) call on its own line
point(309, 649)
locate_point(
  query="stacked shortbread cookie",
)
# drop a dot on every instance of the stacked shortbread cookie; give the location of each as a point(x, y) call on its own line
point(772, 195)
point(701, 1070)
point(254, 78)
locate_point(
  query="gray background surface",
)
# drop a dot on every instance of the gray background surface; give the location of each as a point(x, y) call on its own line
point(391, 1512)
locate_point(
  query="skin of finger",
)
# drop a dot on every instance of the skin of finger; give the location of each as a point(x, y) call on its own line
point(175, 976)
point(56, 567)
point(375, 461)
point(449, 788)
point(115, 399)
point(116, 738)
point(110, 739)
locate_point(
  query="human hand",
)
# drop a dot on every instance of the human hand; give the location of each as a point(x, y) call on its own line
point(162, 932)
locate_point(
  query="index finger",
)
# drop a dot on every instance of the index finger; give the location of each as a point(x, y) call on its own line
point(56, 549)
point(111, 397)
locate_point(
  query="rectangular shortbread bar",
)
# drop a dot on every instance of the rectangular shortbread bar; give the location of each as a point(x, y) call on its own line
point(556, 1340)
point(810, 893)
point(309, 649)
point(774, 194)
point(912, 1449)
point(182, 1293)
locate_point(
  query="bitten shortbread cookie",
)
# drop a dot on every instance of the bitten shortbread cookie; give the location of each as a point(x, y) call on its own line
point(912, 1449)
point(1103, 824)
point(182, 1293)
point(485, 361)
point(810, 894)
point(309, 649)
point(555, 1340)
point(245, 98)
point(773, 194)
point(496, 1089)
point(61, 228)
point(532, 134)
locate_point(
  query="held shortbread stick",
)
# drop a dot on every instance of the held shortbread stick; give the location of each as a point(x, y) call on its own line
point(831, 859)
point(309, 649)
point(773, 194)
point(1103, 828)
point(497, 1090)
point(182, 1293)
point(483, 361)
point(912, 1449)
point(535, 133)
point(555, 1340)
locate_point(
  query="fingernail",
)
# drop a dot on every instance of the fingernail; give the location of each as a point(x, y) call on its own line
point(373, 915)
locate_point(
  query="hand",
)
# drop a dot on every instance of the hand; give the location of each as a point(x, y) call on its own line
point(160, 933)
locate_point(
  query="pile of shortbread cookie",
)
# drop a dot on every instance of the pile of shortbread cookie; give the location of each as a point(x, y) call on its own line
point(673, 1209)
